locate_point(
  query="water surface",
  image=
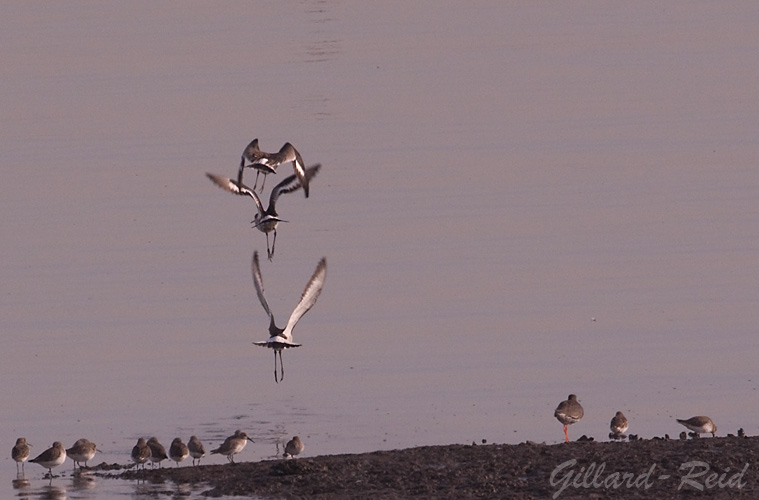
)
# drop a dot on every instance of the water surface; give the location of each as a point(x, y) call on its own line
point(516, 202)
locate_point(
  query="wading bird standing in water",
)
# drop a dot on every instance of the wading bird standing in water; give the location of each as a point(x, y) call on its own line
point(82, 451)
point(267, 163)
point(20, 452)
point(265, 220)
point(282, 338)
point(52, 457)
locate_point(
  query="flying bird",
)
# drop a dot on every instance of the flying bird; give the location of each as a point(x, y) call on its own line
point(267, 163)
point(265, 220)
point(282, 338)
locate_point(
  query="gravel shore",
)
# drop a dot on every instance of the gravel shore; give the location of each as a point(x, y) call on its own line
point(657, 468)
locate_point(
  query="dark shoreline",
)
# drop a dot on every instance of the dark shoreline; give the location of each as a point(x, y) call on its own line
point(519, 471)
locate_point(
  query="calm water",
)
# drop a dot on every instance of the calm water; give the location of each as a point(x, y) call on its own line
point(516, 202)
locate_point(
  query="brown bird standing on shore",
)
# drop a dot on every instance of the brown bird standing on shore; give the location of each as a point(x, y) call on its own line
point(157, 452)
point(141, 453)
point(618, 425)
point(197, 451)
point(178, 451)
point(569, 412)
point(233, 445)
point(700, 425)
point(294, 447)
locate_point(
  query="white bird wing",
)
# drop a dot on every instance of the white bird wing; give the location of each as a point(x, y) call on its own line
point(292, 183)
point(258, 159)
point(259, 282)
point(308, 299)
point(251, 151)
point(234, 187)
point(286, 154)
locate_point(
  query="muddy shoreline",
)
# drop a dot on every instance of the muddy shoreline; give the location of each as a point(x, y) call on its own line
point(719, 468)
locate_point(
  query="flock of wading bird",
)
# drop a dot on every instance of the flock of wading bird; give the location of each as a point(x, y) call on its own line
point(570, 411)
point(266, 221)
point(151, 450)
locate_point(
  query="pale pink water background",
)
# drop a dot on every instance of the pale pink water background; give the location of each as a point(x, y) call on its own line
point(517, 201)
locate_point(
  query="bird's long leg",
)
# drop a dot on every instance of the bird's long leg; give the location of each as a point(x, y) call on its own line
point(273, 244)
point(256, 183)
point(275, 367)
point(566, 433)
point(263, 181)
point(281, 367)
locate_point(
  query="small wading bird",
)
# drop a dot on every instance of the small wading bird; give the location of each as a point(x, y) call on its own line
point(294, 447)
point(618, 426)
point(233, 445)
point(197, 450)
point(157, 452)
point(82, 451)
point(178, 451)
point(52, 457)
point(20, 452)
point(282, 338)
point(141, 453)
point(265, 220)
point(568, 412)
point(267, 163)
point(700, 425)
